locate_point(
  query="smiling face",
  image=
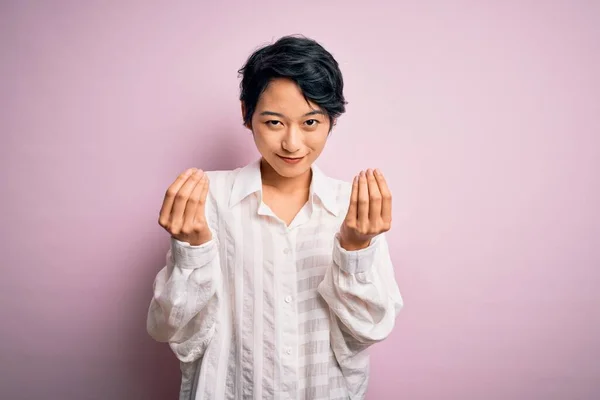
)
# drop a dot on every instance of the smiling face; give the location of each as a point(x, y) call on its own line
point(290, 133)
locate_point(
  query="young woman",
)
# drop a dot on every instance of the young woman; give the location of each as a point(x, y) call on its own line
point(278, 278)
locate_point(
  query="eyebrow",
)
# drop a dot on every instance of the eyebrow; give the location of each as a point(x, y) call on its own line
point(314, 112)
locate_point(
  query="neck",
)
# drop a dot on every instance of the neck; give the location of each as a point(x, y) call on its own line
point(271, 178)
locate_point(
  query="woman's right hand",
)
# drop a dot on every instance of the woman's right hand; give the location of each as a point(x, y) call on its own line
point(182, 213)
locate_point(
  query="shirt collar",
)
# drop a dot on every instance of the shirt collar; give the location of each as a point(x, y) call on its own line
point(249, 181)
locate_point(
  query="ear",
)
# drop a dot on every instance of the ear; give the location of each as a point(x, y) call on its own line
point(248, 125)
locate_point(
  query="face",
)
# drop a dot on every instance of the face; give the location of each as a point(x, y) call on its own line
point(290, 133)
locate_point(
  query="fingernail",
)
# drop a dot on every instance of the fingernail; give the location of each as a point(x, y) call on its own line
point(199, 172)
point(362, 173)
point(370, 172)
point(377, 171)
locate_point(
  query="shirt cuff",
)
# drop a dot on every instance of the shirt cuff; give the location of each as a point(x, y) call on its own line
point(187, 256)
point(355, 261)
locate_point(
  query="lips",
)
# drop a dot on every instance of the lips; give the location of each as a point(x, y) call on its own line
point(290, 160)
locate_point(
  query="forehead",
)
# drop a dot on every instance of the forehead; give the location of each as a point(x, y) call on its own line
point(284, 96)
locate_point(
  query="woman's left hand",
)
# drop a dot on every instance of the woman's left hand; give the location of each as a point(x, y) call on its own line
point(370, 211)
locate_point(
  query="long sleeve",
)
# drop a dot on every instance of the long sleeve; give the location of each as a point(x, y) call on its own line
point(364, 300)
point(184, 307)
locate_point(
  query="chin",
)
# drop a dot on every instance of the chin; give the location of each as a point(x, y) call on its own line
point(291, 171)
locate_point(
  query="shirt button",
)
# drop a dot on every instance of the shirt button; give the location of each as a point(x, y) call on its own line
point(286, 251)
point(288, 299)
point(288, 351)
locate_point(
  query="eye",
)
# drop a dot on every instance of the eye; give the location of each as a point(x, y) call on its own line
point(313, 122)
point(272, 122)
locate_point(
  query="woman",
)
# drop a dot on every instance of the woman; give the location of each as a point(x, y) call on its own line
point(278, 277)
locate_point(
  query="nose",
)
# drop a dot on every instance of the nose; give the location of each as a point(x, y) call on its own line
point(291, 142)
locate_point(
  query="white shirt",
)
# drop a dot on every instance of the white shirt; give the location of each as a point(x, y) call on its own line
point(269, 311)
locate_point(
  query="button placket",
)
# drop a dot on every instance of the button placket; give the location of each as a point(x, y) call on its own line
point(288, 252)
point(290, 321)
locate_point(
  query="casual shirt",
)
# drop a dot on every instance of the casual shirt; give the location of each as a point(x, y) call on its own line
point(269, 311)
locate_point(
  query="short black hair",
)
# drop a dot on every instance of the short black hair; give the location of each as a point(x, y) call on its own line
point(302, 60)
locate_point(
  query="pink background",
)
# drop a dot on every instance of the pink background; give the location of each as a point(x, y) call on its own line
point(484, 115)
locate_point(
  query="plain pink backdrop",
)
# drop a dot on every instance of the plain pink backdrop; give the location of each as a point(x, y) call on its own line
point(484, 116)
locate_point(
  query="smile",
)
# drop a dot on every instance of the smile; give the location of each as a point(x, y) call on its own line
point(291, 160)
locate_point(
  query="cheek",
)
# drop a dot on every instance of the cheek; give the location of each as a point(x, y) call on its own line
point(317, 140)
point(262, 138)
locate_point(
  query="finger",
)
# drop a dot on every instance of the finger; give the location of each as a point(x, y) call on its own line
point(181, 199)
point(165, 210)
point(386, 197)
point(189, 214)
point(363, 201)
point(200, 213)
point(374, 198)
point(352, 215)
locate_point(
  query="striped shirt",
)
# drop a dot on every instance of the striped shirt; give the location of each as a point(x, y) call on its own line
point(269, 311)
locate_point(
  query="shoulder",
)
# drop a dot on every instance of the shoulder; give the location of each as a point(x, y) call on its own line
point(221, 182)
point(342, 188)
point(341, 191)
